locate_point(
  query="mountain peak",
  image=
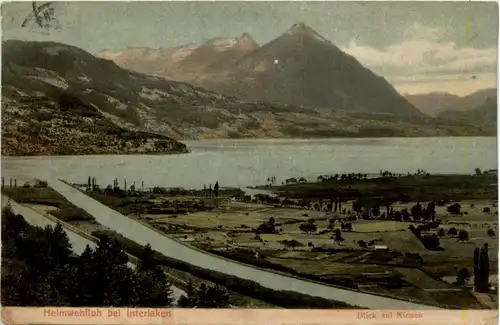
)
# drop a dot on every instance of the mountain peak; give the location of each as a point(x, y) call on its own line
point(247, 42)
point(299, 27)
point(302, 30)
point(246, 35)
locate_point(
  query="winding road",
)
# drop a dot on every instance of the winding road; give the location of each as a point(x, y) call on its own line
point(77, 241)
point(143, 235)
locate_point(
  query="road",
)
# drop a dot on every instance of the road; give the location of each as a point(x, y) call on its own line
point(143, 235)
point(77, 241)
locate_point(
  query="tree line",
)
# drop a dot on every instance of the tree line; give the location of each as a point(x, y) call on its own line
point(39, 268)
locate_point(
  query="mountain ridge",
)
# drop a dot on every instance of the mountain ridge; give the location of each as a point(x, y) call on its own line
point(436, 102)
point(130, 112)
point(299, 67)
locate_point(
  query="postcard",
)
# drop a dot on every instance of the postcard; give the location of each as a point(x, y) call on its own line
point(292, 162)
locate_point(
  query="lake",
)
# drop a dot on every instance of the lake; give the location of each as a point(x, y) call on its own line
point(243, 163)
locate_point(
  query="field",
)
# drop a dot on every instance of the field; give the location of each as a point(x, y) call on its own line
point(45, 200)
point(230, 230)
point(394, 189)
point(373, 254)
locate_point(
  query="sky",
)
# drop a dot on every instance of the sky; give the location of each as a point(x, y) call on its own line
point(419, 47)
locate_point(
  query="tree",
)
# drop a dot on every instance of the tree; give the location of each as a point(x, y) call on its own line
point(454, 208)
point(271, 221)
point(416, 211)
point(308, 227)
point(147, 261)
point(216, 189)
point(452, 231)
point(338, 237)
point(431, 210)
point(476, 268)
point(463, 276)
point(153, 289)
point(431, 242)
point(481, 269)
point(463, 235)
point(362, 244)
point(188, 300)
point(213, 297)
point(267, 227)
point(441, 232)
point(357, 206)
point(405, 214)
point(293, 243)
point(39, 269)
point(484, 269)
point(119, 289)
point(59, 245)
point(477, 171)
point(490, 233)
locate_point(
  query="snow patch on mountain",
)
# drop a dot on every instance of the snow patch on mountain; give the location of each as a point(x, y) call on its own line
point(55, 49)
point(84, 78)
point(109, 55)
point(153, 94)
point(118, 104)
point(18, 91)
point(57, 82)
point(183, 52)
point(222, 44)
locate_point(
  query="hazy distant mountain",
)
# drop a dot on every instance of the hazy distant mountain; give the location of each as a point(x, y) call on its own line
point(475, 99)
point(60, 99)
point(299, 68)
point(484, 114)
point(434, 103)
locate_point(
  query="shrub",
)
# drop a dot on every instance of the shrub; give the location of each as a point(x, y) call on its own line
point(431, 242)
point(40, 184)
point(454, 208)
point(463, 235)
point(71, 213)
point(463, 276)
point(452, 231)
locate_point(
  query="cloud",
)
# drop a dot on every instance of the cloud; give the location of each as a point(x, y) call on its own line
point(456, 84)
point(418, 32)
point(422, 57)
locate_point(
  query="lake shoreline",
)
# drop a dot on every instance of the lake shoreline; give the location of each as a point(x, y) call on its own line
point(250, 139)
point(247, 163)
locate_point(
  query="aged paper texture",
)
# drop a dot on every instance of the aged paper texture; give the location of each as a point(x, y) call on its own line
point(249, 162)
